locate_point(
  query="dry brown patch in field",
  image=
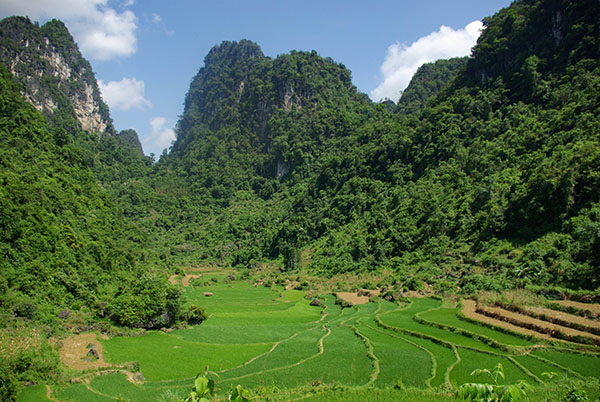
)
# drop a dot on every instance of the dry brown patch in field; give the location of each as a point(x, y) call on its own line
point(292, 285)
point(525, 320)
point(75, 348)
point(353, 297)
point(470, 310)
point(369, 292)
point(413, 293)
point(559, 315)
point(582, 306)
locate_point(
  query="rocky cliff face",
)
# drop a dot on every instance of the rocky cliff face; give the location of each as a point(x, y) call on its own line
point(55, 78)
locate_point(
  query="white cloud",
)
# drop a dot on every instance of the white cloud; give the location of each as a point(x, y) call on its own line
point(160, 136)
point(125, 94)
point(101, 32)
point(160, 25)
point(129, 3)
point(402, 61)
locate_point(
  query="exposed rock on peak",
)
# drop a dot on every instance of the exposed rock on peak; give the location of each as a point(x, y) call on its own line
point(55, 78)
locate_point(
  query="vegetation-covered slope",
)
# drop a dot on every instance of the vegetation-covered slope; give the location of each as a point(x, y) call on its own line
point(64, 242)
point(496, 176)
point(427, 82)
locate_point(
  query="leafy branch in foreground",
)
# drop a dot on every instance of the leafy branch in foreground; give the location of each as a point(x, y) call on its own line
point(204, 387)
point(492, 392)
point(238, 394)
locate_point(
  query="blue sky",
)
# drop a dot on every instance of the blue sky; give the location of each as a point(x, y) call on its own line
point(145, 52)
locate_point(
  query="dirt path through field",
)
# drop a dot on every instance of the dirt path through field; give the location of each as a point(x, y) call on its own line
point(50, 394)
point(582, 306)
point(469, 310)
point(321, 351)
point(75, 348)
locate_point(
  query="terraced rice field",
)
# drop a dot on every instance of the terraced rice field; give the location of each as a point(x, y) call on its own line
point(269, 338)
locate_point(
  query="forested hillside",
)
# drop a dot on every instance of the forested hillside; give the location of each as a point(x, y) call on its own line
point(492, 183)
point(427, 82)
point(66, 243)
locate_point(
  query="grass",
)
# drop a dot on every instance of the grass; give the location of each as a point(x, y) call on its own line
point(287, 353)
point(35, 393)
point(378, 395)
point(344, 360)
point(398, 359)
point(214, 333)
point(586, 365)
point(444, 357)
point(537, 366)
point(404, 319)
point(299, 361)
point(471, 360)
point(185, 358)
point(274, 343)
point(79, 392)
point(447, 316)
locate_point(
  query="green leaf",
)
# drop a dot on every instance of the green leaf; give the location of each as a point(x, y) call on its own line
point(201, 385)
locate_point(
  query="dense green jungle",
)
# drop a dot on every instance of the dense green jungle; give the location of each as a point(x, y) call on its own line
point(484, 178)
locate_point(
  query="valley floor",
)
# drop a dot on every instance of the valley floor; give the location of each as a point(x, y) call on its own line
point(275, 344)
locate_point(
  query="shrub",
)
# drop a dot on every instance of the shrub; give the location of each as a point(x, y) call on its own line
point(195, 314)
point(575, 395)
point(8, 382)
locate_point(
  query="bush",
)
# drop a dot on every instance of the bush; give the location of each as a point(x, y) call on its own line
point(575, 395)
point(415, 284)
point(195, 314)
point(149, 303)
point(8, 382)
point(25, 308)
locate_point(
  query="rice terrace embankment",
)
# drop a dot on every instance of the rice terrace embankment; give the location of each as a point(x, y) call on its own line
point(272, 341)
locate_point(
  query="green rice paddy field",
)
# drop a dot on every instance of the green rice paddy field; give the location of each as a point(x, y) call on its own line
point(271, 340)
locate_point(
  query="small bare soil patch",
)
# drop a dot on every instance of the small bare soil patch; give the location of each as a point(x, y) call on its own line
point(413, 294)
point(369, 292)
point(174, 279)
point(470, 310)
point(75, 348)
point(353, 297)
point(581, 306)
point(185, 280)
